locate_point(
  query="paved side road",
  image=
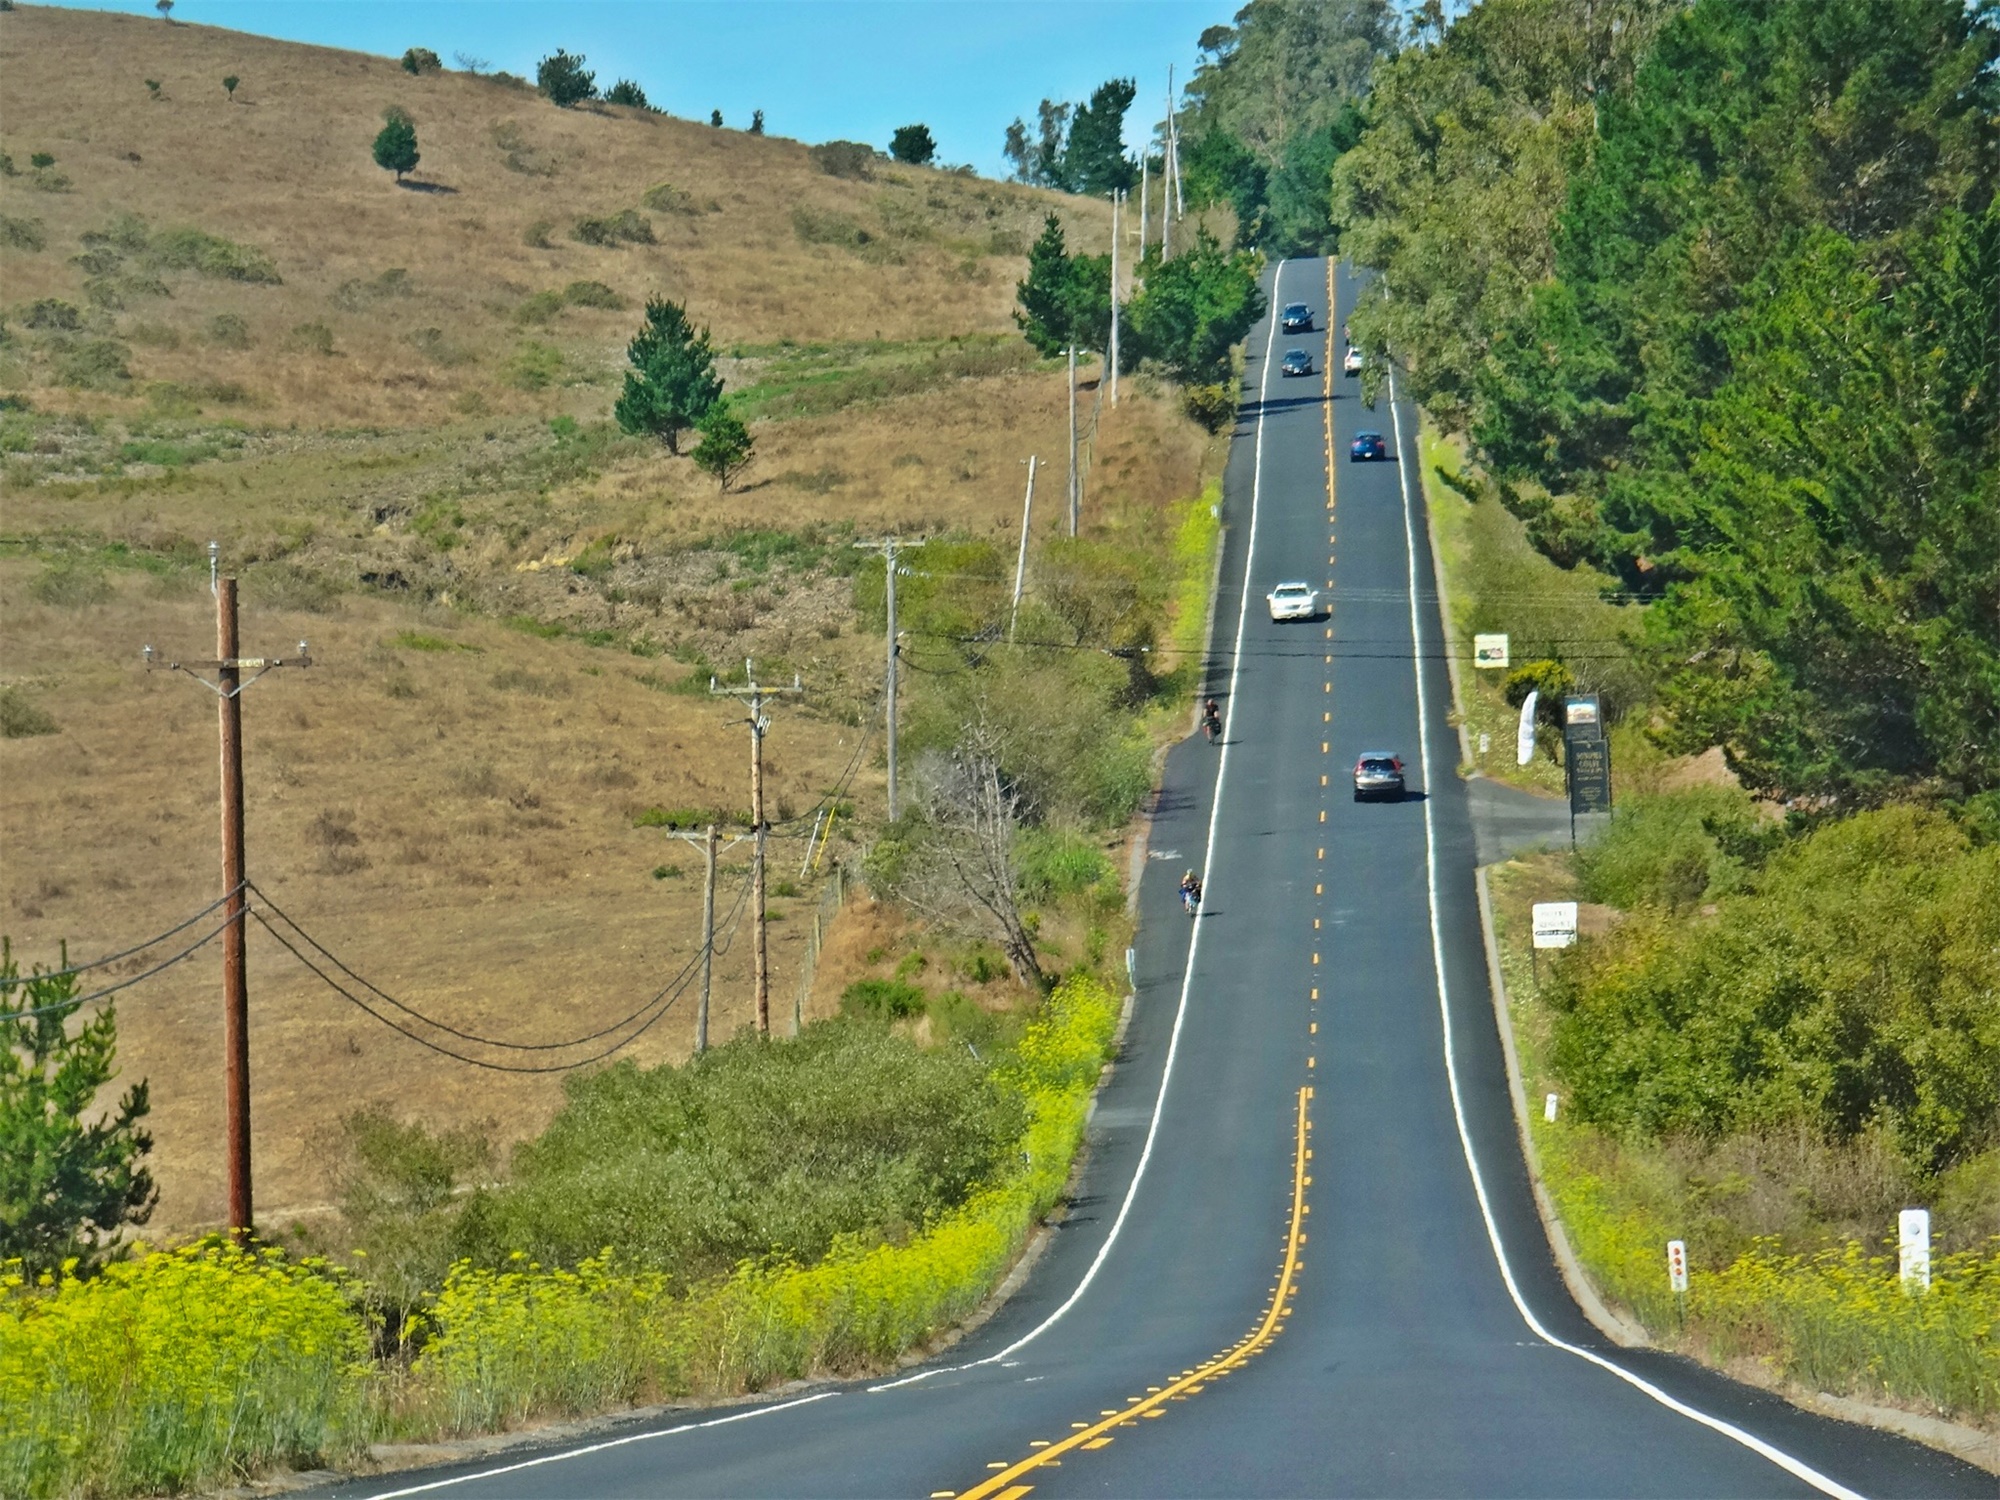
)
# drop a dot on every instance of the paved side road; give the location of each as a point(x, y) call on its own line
point(1305, 1257)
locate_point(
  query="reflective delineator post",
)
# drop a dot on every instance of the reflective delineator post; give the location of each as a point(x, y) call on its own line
point(1913, 1248)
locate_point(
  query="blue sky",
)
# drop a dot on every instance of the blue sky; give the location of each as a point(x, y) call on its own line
point(819, 69)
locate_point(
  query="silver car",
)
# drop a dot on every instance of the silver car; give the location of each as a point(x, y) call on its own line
point(1378, 773)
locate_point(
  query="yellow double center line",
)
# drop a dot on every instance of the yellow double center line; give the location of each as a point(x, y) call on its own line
point(1008, 1485)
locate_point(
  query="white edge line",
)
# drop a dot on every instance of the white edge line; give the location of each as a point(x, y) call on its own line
point(1194, 942)
point(568, 1453)
point(1755, 1444)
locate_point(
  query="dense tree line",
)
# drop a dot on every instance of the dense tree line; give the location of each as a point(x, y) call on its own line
point(1715, 291)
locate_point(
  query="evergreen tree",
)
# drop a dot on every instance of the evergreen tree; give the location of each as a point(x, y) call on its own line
point(396, 144)
point(627, 93)
point(672, 384)
point(1194, 309)
point(563, 81)
point(725, 444)
point(71, 1175)
point(913, 144)
point(756, 122)
point(1093, 157)
point(1045, 293)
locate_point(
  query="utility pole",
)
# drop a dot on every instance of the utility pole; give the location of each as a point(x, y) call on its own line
point(887, 547)
point(1021, 561)
point(1145, 193)
point(228, 688)
point(753, 694)
point(711, 844)
point(1111, 355)
point(1075, 490)
point(1167, 169)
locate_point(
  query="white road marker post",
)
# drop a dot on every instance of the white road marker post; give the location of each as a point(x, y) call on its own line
point(1549, 1109)
point(1913, 1248)
point(1677, 1278)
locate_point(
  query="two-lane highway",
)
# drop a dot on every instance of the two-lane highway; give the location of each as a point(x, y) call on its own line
point(1305, 1259)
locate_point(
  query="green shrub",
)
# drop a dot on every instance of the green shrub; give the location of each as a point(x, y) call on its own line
point(591, 294)
point(1213, 406)
point(228, 331)
point(311, 338)
point(420, 60)
point(1851, 989)
point(1054, 863)
point(52, 313)
point(534, 367)
point(22, 234)
point(212, 256)
point(626, 227)
point(1676, 849)
point(752, 1149)
point(20, 717)
point(93, 365)
point(881, 1000)
point(849, 159)
point(542, 307)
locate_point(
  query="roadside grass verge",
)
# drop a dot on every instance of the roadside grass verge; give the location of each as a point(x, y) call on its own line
point(1498, 582)
point(1790, 1234)
point(202, 1366)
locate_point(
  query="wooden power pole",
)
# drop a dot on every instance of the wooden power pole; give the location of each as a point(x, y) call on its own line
point(887, 547)
point(228, 688)
point(753, 695)
point(711, 844)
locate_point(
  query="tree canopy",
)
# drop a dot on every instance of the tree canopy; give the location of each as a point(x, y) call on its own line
point(71, 1174)
point(1064, 299)
point(672, 383)
point(1715, 291)
point(563, 81)
point(913, 144)
point(396, 145)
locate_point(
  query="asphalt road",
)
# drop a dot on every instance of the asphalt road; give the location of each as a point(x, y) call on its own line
point(1305, 1260)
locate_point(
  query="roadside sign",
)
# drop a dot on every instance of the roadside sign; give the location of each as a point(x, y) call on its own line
point(1555, 924)
point(1582, 719)
point(1489, 650)
point(1589, 763)
point(1913, 1248)
point(1677, 1265)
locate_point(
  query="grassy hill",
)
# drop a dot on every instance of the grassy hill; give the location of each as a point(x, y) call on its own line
point(389, 405)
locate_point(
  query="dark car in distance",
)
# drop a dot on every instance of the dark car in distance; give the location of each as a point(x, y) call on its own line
point(1378, 773)
point(1366, 447)
point(1296, 362)
point(1296, 318)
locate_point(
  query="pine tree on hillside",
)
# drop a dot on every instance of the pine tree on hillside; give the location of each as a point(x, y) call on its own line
point(396, 144)
point(71, 1176)
point(672, 383)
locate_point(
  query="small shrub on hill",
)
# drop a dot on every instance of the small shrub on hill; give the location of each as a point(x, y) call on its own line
point(20, 717)
point(881, 1000)
point(228, 331)
point(913, 144)
point(310, 338)
point(626, 227)
point(93, 365)
point(22, 234)
point(845, 159)
point(627, 93)
point(421, 60)
point(52, 313)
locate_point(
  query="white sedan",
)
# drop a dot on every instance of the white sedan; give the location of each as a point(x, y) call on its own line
point(1295, 601)
point(1351, 364)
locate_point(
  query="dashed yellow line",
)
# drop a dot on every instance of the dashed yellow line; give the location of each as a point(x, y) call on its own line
point(1006, 1484)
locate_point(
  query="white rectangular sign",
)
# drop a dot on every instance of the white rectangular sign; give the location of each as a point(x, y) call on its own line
point(1677, 1265)
point(1913, 1247)
point(1489, 650)
point(1555, 924)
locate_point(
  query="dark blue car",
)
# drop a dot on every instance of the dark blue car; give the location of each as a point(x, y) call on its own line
point(1367, 445)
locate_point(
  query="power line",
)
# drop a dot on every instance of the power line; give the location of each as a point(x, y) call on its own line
point(670, 995)
point(152, 942)
point(123, 984)
point(416, 1015)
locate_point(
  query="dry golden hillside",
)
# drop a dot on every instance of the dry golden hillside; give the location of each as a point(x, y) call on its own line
point(283, 169)
point(223, 321)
